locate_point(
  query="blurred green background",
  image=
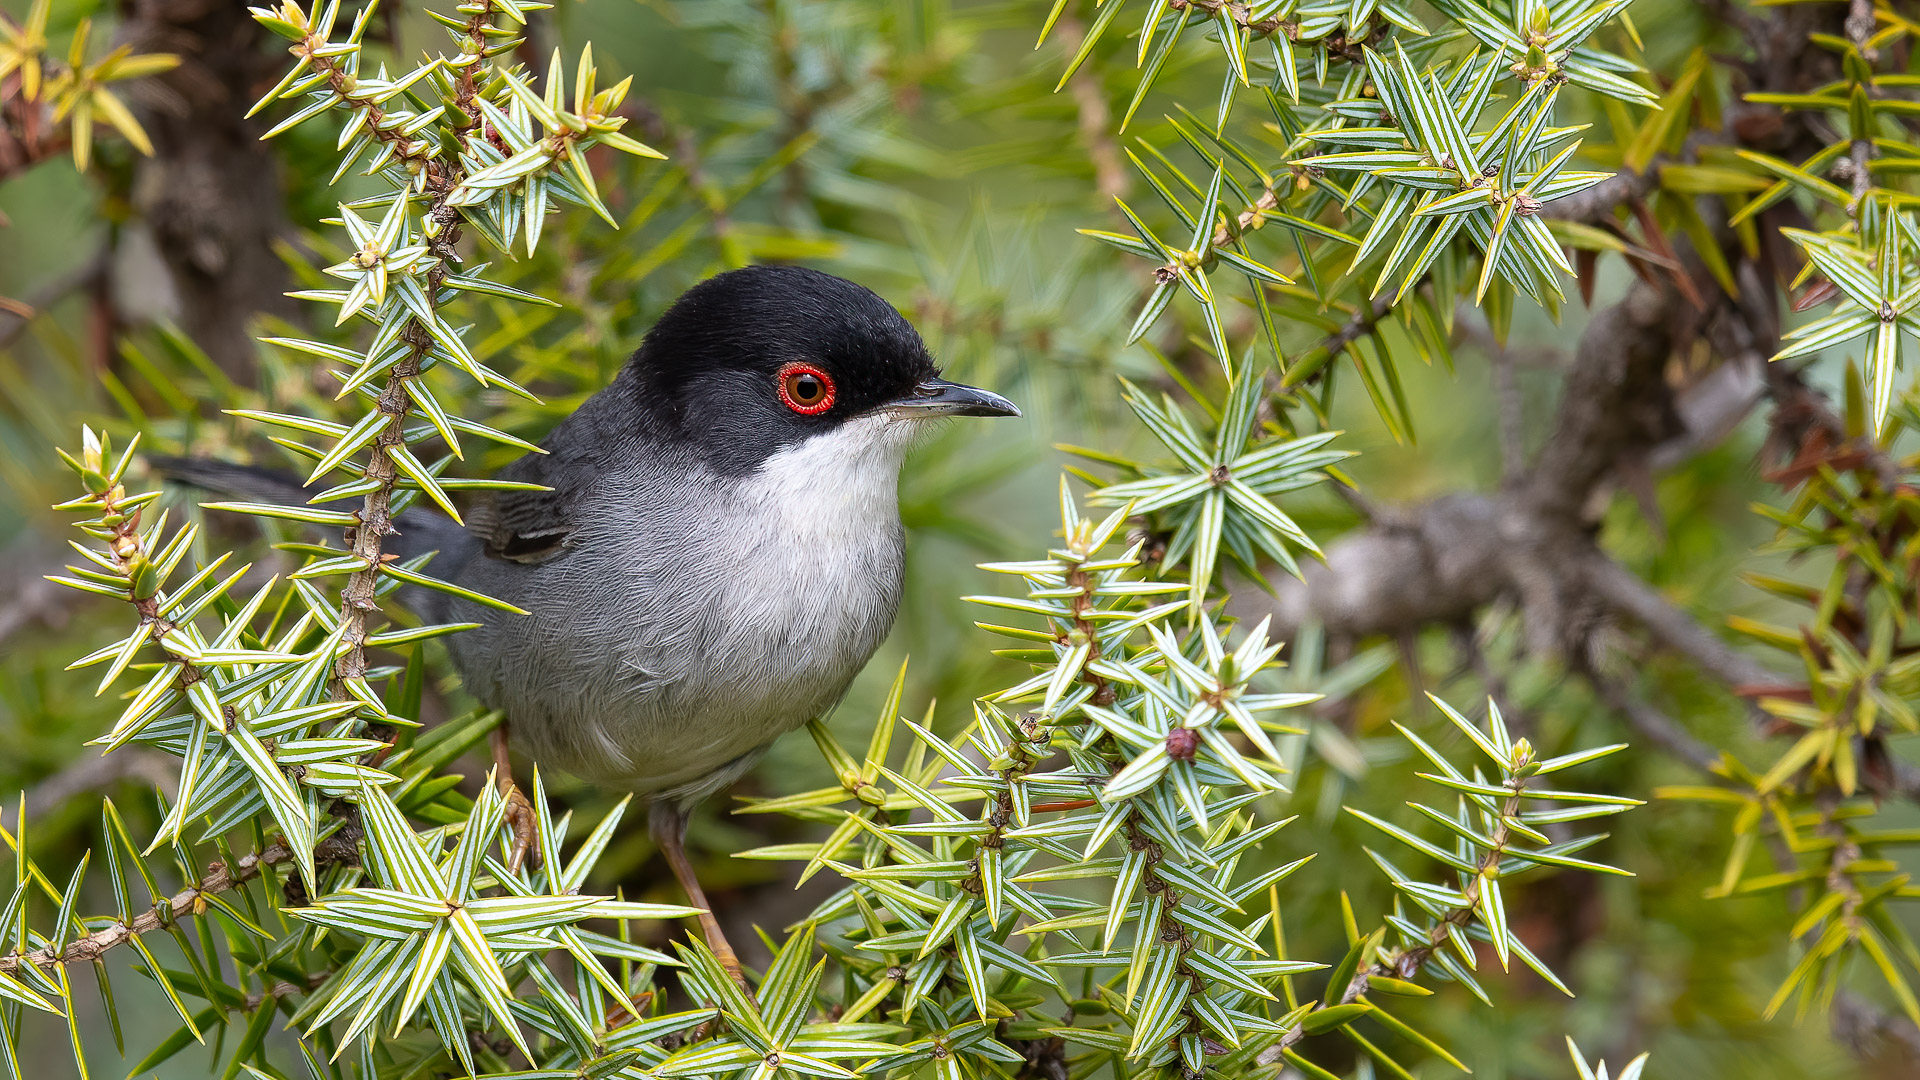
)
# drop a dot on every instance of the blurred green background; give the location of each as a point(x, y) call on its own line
point(915, 146)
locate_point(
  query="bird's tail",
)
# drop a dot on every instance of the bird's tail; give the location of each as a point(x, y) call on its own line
point(253, 483)
point(419, 530)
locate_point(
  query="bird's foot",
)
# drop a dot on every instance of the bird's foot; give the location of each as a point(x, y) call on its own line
point(526, 836)
point(520, 818)
point(668, 823)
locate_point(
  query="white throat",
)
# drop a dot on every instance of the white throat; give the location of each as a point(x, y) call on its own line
point(838, 489)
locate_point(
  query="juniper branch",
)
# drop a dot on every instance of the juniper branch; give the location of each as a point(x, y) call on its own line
point(1407, 965)
point(190, 901)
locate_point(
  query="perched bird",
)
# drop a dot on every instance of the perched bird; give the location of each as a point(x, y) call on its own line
point(719, 551)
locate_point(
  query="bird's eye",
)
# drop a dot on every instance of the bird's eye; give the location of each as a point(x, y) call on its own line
point(806, 389)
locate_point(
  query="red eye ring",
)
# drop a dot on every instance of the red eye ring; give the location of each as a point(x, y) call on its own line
point(804, 388)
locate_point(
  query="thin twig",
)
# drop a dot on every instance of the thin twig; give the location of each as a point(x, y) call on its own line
point(367, 538)
point(1655, 726)
point(188, 901)
point(13, 323)
point(1626, 593)
point(91, 774)
point(1859, 1024)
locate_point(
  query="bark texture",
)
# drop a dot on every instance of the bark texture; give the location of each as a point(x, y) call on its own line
point(211, 193)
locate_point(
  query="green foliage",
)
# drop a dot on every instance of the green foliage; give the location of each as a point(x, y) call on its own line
point(1143, 752)
point(1820, 796)
point(1161, 750)
point(1405, 158)
point(74, 91)
point(1087, 872)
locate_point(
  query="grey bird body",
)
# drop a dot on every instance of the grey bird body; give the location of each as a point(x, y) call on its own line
point(707, 552)
point(709, 549)
point(690, 617)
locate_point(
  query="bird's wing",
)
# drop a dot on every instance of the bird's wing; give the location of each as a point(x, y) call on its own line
point(584, 452)
point(533, 526)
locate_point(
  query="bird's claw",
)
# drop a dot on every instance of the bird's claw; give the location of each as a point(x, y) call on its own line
point(519, 816)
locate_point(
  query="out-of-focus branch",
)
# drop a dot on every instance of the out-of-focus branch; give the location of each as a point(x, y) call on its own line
point(1532, 541)
point(30, 598)
point(14, 322)
point(1620, 417)
point(93, 774)
point(1600, 199)
point(210, 193)
point(1653, 725)
point(27, 137)
point(1616, 403)
point(1860, 1025)
point(1096, 121)
point(1357, 326)
point(1627, 594)
point(1442, 560)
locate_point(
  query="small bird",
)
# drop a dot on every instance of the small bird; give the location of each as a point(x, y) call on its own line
point(718, 552)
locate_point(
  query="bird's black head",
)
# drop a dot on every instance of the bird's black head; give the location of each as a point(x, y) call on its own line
point(761, 358)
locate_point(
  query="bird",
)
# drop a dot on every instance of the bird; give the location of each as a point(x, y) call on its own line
point(709, 550)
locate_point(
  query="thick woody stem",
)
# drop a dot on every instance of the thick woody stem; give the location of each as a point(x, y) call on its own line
point(376, 517)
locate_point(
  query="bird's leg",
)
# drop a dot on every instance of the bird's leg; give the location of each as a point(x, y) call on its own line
point(668, 823)
point(519, 810)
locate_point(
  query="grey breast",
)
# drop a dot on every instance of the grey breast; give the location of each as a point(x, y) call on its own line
point(683, 627)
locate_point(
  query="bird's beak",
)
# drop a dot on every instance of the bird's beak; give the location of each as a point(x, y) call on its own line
point(938, 397)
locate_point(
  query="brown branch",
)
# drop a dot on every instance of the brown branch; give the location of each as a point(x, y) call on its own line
point(94, 773)
point(1475, 659)
point(1095, 122)
point(1357, 326)
point(1600, 200)
point(1653, 725)
point(28, 133)
point(1626, 593)
point(273, 993)
point(1532, 541)
point(15, 320)
point(188, 901)
point(367, 537)
point(1861, 1026)
point(1615, 403)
